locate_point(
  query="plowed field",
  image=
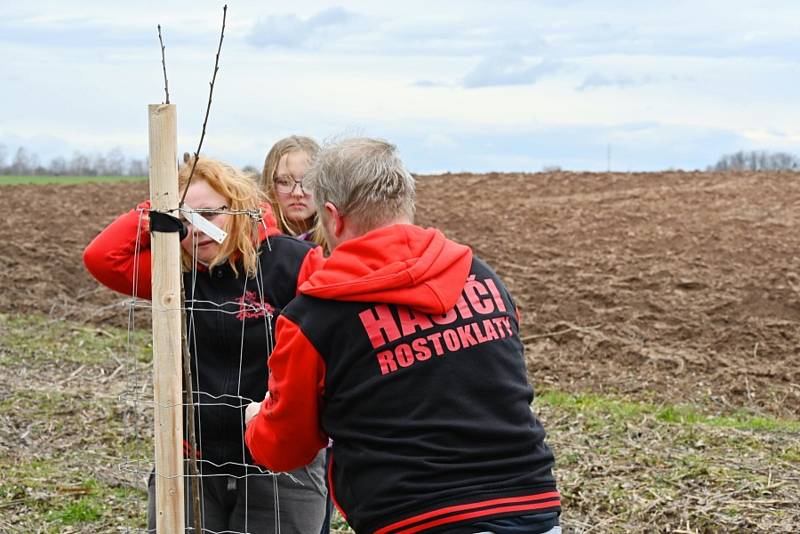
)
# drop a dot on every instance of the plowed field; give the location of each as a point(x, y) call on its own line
point(670, 287)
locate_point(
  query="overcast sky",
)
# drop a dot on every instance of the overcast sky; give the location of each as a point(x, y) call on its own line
point(457, 85)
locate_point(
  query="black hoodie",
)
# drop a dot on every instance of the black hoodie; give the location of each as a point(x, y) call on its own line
point(405, 350)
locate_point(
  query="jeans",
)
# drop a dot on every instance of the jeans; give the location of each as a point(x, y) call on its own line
point(326, 523)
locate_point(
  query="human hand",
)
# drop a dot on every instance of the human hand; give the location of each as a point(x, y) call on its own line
point(144, 216)
point(251, 411)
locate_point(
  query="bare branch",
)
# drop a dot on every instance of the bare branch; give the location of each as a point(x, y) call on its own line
point(190, 438)
point(163, 64)
point(208, 108)
point(187, 372)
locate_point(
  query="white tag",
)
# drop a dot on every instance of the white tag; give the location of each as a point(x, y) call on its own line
point(207, 227)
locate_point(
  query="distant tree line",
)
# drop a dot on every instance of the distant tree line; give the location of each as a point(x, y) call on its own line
point(757, 160)
point(112, 163)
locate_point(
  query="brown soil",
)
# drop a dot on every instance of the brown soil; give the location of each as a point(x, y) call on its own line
point(673, 287)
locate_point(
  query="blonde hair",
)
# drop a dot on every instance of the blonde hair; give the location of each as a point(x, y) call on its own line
point(241, 194)
point(365, 179)
point(287, 145)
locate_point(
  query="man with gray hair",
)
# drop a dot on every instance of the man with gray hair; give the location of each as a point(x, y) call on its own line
point(404, 349)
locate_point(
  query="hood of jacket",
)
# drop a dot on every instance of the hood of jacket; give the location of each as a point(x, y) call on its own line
point(399, 264)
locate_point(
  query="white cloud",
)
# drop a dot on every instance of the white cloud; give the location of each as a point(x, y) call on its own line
point(594, 81)
point(289, 30)
point(508, 70)
point(429, 83)
point(783, 140)
point(469, 84)
point(440, 140)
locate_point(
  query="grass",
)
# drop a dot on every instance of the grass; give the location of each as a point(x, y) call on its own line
point(627, 465)
point(41, 180)
point(37, 340)
point(679, 414)
point(623, 464)
point(64, 429)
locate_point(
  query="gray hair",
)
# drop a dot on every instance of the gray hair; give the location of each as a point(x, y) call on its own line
point(365, 179)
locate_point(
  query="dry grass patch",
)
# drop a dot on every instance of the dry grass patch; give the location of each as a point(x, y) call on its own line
point(628, 466)
point(624, 464)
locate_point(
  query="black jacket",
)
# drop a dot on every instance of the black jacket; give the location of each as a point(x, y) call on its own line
point(405, 350)
point(231, 325)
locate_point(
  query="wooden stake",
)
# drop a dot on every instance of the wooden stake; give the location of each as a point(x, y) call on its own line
point(167, 373)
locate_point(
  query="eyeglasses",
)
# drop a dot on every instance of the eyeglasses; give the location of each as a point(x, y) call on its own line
point(208, 213)
point(285, 185)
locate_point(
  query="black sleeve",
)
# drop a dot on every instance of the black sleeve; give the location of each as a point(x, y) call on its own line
point(280, 265)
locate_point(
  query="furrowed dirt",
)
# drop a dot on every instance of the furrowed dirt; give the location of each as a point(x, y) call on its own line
point(670, 287)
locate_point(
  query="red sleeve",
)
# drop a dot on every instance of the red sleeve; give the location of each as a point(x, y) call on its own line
point(111, 256)
point(286, 435)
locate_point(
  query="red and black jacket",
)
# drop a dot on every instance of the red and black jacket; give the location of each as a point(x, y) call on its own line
point(405, 350)
point(229, 320)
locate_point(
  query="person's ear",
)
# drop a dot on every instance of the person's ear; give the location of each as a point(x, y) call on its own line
point(336, 219)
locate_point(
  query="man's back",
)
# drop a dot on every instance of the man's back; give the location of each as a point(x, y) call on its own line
point(429, 413)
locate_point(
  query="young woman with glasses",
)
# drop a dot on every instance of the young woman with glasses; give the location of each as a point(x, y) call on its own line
point(282, 181)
